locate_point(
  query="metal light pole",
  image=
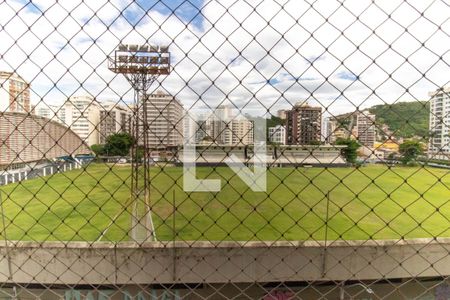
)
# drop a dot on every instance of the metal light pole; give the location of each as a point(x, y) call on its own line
point(141, 65)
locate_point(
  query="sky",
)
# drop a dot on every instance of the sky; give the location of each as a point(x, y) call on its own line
point(258, 55)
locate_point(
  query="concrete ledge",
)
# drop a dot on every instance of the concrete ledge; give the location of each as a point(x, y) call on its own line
point(221, 262)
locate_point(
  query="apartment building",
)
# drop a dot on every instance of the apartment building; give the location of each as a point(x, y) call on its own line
point(328, 127)
point(277, 134)
point(224, 128)
point(220, 125)
point(303, 124)
point(282, 114)
point(14, 93)
point(439, 126)
point(202, 129)
point(114, 118)
point(164, 120)
point(93, 121)
point(45, 110)
point(365, 128)
point(82, 115)
point(241, 132)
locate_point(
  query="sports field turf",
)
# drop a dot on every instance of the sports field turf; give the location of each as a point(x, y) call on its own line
point(369, 202)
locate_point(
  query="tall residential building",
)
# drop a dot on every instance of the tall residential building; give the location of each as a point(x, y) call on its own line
point(277, 134)
point(14, 93)
point(225, 129)
point(303, 125)
point(114, 118)
point(164, 120)
point(45, 110)
point(328, 128)
point(82, 115)
point(202, 131)
point(439, 145)
point(241, 132)
point(190, 125)
point(365, 128)
point(93, 121)
point(220, 125)
point(282, 114)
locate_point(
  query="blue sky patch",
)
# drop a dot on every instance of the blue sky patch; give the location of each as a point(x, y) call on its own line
point(290, 77)
point(273, 81)
point(30, 6)
point(313, 58)
point(347, 75)
point(187, 10)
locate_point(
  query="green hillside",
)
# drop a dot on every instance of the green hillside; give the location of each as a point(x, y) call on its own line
point(405, 119)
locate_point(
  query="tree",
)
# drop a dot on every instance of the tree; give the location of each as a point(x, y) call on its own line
point(410, 150)
point(274, 121)
point(118, 144)
point(350, 152)
point(98, 149)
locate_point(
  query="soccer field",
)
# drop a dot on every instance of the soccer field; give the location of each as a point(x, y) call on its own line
point(369, 202)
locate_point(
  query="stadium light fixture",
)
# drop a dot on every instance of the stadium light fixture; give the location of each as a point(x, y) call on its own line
point(141, 65)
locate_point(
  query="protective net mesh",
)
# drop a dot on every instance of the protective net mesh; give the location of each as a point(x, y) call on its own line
point(197, 149)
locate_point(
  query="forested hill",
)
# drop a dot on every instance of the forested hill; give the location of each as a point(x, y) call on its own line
point(406, 119)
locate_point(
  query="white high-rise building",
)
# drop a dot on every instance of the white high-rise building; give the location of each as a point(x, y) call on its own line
point(165, 120)
point(203, 130)
point(365, 127)
point(191, 127)
point(277, 134)
point(439, 145)
point(241, 132)
point(45, 110)
point(220, 125)
point(225, 129)
point(93, 121)
point(328, 128)
point(82, 115)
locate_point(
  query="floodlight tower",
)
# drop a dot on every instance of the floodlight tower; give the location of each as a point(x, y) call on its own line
point(141, 65)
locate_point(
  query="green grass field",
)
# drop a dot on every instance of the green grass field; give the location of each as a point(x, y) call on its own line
point(369, 202)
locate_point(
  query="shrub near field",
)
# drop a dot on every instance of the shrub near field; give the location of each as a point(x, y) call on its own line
point(369, 202)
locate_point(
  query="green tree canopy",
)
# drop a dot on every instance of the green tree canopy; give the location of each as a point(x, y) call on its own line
point(98, 149)
point(118, 144)
point(410, 150)
point(350, 152)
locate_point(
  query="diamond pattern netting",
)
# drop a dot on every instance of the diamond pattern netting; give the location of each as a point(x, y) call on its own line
point(113, 112)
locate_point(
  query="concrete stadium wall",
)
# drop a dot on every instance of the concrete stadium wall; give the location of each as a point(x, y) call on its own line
point(29, 138)
point(281, 155)
point(205, 262)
